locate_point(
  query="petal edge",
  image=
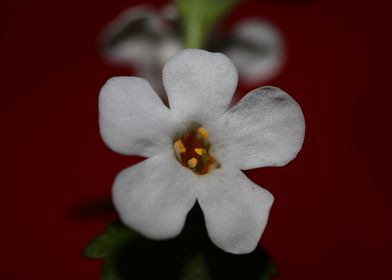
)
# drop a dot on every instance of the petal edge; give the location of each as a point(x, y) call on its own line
point(154, 196)
point(199, 84)
point(235, 209)
point(265, 128)
point(133, 120)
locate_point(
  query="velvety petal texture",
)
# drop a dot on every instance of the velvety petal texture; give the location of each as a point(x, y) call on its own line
point(265, 128)
point(154, 196)
point(257, 49)
point(199, 84)
point(235, 209)
point(132, 118)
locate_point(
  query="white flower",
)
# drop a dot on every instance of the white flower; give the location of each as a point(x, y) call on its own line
point(146, 39)
point(196, 149)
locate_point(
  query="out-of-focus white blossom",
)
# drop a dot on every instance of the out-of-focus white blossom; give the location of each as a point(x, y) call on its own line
point(145, 39)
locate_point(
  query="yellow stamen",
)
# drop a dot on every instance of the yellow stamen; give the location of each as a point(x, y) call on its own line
point(192, 151)
point(200, 151)
point(180, 146)
point(192, 162)
point(203, 132)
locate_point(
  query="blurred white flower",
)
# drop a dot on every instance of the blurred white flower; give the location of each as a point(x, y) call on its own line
point(145, 39)
point(196, 149)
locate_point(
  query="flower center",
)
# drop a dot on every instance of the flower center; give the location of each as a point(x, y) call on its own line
point(192, 151)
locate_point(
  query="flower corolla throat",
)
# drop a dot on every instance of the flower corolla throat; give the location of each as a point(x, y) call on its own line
point(192, 150)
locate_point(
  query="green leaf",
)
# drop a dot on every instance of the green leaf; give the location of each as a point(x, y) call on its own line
point(109, 242)
point(108, 246)
point(270, 270)
point(195, 269)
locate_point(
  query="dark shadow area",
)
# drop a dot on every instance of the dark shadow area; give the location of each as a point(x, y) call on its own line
point(93, 209)
point(142, 258)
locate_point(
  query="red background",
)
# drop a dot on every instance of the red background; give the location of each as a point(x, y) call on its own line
point(332, 214)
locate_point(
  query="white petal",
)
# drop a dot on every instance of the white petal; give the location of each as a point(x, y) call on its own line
point(132, 118)
point(199, 84)
point(235, 209)
point(129, 37)
point(140, 37)
point(266, 128)
point(154, 196)
point(257, 50)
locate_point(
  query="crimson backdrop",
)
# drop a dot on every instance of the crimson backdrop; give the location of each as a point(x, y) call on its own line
point(332, 216)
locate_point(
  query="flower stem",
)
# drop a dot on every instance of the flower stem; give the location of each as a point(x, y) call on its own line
point(198, 17)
